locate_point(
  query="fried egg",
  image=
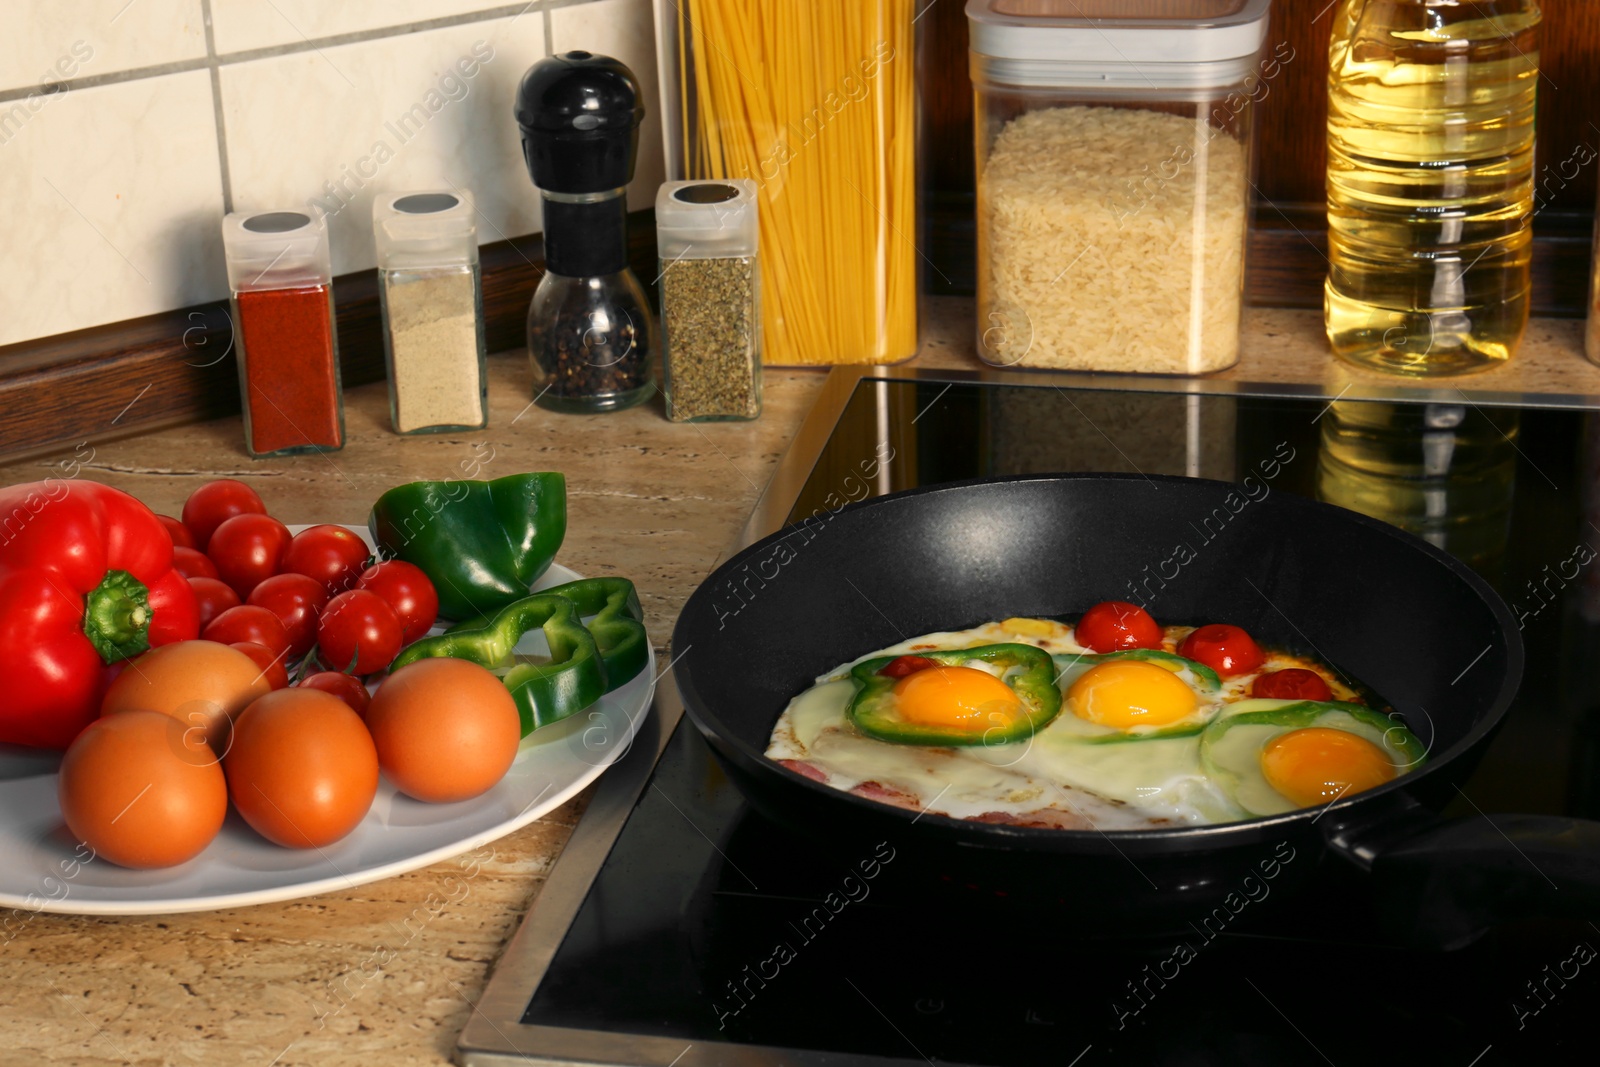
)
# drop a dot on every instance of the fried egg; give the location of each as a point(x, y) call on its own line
point(959, 735)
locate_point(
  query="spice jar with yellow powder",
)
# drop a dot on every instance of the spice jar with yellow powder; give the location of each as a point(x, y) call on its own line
point(431, 291)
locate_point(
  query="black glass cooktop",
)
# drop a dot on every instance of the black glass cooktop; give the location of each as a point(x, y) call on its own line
point(710, 926)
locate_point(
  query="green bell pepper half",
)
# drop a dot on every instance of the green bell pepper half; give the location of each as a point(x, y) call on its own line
point(481, 544)
point(617, 625)
point(544, 693)
point(874, 712)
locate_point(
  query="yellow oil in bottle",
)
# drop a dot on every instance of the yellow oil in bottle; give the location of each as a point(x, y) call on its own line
point(1430, 182)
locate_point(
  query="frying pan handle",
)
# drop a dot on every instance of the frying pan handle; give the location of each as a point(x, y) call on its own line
point(1445, 882)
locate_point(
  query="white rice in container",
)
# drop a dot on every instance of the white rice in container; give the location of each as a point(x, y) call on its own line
point(1112, 239)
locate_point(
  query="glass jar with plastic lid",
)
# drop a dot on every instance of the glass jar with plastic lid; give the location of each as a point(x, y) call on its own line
point(1115, 156)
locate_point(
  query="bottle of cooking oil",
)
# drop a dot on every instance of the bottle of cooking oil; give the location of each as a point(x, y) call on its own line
point(1430, 182)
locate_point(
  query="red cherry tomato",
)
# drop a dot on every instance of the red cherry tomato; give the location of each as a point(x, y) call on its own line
point(248, 622)
point(1295, 683)
point(215, 503)
point(248, 549)
point(358, 627)
point(901, 666)
point(1228, 650)
point(181, 537)
point(1116, 625)
point(296, 600)
point(271, 663)
point(346, 688)
point(214, 597)
point(192, 563)
point(407, 590)
point(332, 555)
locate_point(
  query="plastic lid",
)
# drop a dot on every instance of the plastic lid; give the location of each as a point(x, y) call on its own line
point(425, 229)
point(1160, 43)
point(580, 115)
point(707, 219)
point(275, 249)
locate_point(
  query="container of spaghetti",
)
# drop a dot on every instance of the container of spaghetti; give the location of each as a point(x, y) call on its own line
point(815, 103)
point(1114, 145)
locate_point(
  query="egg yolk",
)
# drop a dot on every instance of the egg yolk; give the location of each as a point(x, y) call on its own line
point(1131, 692)
point(1316, 765)
point(957, 696)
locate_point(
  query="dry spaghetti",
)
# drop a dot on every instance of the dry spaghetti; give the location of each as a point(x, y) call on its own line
point(815, 103)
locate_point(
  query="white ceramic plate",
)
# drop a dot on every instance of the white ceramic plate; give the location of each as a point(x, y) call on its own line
point(45, 869)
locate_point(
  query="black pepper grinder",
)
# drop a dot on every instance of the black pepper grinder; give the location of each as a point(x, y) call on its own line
point(590, 333)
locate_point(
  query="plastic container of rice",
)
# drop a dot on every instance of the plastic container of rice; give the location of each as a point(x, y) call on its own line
point(1115, 158)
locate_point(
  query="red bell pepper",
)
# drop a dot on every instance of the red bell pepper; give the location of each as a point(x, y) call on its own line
point(86, 581)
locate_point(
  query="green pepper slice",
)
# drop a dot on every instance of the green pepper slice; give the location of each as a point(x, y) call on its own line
point(617, 625)
point(1029, 672)
point(1067, 661)
point(544, 693)
point(482, 544)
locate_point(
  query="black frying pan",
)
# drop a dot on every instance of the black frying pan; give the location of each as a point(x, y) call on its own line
point(1404, 618)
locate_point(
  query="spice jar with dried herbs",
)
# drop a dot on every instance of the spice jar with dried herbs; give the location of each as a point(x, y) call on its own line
point(431, 292)
point(281, 278)
point(708, 236)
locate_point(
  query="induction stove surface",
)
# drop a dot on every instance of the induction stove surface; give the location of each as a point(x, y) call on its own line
point(682, 927)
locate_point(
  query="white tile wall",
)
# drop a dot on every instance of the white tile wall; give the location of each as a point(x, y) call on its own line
point(117, 187)
point(244, 24)
point(121, 196)
point(386, 115)
point(625, 30)
point(88, 38)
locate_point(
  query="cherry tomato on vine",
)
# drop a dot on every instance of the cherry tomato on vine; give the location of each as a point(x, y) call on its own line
point(358, 627)
point(347, 688)
point(214, 597)
point(215, 503)
point(1115, 625)
point(1294, 683)
point(1228, 650)
point(297, 600)
point(407, 591)
point(248, 549)
point(192, 563)
point(271, 663)
point(181, 537)
point(248, 622)
point(332, 555)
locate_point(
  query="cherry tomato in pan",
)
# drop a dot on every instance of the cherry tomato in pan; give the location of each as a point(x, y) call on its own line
point(272, 666)
point(214, 597)
point(345, 687)
point(297, 600)
point(248, 549)
point(215, 503)
point(192, 563)
point(407, 590)
point(901, 666)
point(332, 555)
point(181, 537)
point(358, 632)
point(1228, 650)
point(1116, 625)
point(248, 622)
point(1295, 683)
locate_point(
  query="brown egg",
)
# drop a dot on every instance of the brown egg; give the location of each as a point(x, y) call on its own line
point(301, 770)
point(141, 790)
point(445, 729)
point(202, 684)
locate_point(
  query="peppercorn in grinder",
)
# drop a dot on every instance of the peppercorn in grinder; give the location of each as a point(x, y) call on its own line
point(590, 334)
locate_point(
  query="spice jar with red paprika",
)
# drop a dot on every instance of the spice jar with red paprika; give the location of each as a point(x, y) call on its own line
point(281, 277)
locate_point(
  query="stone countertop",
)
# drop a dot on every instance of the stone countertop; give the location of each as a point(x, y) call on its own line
point(301, 982)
